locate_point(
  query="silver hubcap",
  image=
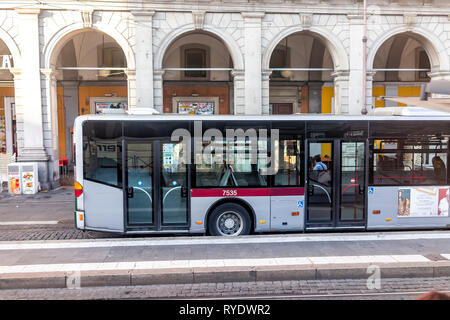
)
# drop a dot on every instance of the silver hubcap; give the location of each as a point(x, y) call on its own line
point(230, 223)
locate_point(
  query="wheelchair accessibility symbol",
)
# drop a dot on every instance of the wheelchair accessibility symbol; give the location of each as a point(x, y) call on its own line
point(300, 204)
point(371, 190)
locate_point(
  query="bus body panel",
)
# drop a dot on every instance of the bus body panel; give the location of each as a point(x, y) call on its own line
point(287, 213)
point(386, 201)
point(202, 201)
point(103, 207)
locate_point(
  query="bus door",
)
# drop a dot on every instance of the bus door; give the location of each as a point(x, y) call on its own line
point(155, 186)
point(336, 179)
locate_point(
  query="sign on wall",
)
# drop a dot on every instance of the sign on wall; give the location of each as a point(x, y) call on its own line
point(185, 107)
point(423, 202)
point(111, 107)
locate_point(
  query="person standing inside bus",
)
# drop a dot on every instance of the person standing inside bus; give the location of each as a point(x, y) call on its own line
point(321, 170)
point(318, 164)
point(439, 169)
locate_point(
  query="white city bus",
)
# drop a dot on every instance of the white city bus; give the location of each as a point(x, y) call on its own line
point(183, 174)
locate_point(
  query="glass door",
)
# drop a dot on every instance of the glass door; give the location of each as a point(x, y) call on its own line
point(139, 183)
point(156, 185)
point(174, 184)
point(352, 182)
point(336, 184)
point(320, 183)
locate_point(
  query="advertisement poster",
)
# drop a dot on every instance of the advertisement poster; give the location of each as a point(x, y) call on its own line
point(423, 202)
point(103, 107)
point(28, 182)
point(195, 107)
point(14, 182)
point(168, 149)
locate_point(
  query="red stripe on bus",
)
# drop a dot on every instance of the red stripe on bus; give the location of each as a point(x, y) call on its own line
point(287, 192)
point(247, 192)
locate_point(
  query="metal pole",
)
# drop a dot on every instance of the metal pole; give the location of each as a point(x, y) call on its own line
point(364, 39)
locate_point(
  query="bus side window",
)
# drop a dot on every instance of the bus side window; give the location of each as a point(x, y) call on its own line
point(289, 164)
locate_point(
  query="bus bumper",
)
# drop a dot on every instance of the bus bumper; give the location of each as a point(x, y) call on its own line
point(79, 219)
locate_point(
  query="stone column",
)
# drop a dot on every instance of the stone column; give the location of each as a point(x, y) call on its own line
point(33, 144)
point(132, 88)
point(356, 30)
point(50, 126)
point(370, 102)
point(239, 91)
point(266, 91)
point(31, 100)
point(144, 58)
point(158, 92)
point(70, 111)
point(341, 92)
point(253, 57)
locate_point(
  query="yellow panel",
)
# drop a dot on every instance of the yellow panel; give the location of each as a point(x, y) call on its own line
point(61, 123)
point(327, 94)
point(326, 150)
point(84, 93)
point(377, 92)
point(408, 92)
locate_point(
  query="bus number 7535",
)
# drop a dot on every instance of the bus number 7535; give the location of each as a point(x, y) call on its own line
point(229, 193)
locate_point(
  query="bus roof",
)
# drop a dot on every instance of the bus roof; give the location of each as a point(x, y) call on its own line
point(300, 117)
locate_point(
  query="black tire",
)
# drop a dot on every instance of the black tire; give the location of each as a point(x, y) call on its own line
point(229, 219)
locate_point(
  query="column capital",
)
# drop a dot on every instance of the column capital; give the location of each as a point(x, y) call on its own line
point(30, 11)
point(439, 75)
point(48, 72)
point(130, 73)
point(355, 18)
point(340, 75)
point(253, 15)
point(237, 73)
point(266, 74)
point(158, 73)
point(143, 14)
point(16, 72)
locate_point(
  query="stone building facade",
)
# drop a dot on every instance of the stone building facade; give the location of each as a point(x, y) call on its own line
point(64, 58)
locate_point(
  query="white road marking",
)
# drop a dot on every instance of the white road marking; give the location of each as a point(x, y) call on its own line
point(102, 243)
point(17, 223)
point(205, 263)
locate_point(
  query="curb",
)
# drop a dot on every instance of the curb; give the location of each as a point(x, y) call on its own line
point(75, 280)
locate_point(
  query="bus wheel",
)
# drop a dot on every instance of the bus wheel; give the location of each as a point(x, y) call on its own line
point(229, 219)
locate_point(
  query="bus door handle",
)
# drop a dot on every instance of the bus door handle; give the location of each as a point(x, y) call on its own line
point(130, 192)
point(183, 191)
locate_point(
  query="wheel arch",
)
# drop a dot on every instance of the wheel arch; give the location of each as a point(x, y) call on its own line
point(238, 201)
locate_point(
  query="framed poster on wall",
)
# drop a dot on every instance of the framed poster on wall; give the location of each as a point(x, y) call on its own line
point(195, 105)
point(108, 105)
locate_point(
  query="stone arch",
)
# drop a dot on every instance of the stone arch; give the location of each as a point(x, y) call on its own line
point(332, 43)
point(12, 46)
point(229, 42)
point(435, 50)
point(57, 42)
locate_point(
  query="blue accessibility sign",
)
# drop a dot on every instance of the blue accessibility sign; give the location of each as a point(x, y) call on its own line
point(300, 204)
point(371, 190)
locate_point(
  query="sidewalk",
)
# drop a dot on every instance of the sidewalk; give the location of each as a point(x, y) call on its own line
point(110, 259)
point(145, 261)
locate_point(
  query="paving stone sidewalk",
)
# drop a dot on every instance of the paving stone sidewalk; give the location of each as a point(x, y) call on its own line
point(304, 289)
